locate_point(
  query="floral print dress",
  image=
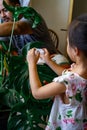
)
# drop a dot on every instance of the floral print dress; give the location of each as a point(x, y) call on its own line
point(72, 116)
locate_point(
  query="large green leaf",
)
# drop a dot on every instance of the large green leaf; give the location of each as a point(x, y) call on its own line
point(30, 45)
point(27, 12)
point(15, 93)
point(31, 114)
point(8, 97)
point(1, 78)
point(4, 46)
point(18, 81)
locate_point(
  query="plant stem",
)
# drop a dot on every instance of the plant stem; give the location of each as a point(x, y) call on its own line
point(1, 64)
point(11, 36)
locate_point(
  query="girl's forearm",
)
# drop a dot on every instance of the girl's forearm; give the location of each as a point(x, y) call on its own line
point(55, 67)
point(34, 79)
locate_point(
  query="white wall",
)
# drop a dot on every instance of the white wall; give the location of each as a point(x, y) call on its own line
point(55, 13)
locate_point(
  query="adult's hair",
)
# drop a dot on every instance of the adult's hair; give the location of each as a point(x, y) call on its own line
point(15, 1)
point(77, 33)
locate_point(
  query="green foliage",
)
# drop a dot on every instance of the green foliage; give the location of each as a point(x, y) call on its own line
point(25, 112)
point(31, 114)
point(27, 12)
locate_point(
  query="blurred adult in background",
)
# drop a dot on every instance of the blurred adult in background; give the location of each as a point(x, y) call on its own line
point(23, 32)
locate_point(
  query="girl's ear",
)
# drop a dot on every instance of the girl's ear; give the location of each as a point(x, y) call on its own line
point(76, 50)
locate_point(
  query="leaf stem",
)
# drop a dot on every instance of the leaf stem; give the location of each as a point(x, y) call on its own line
point(11, 36)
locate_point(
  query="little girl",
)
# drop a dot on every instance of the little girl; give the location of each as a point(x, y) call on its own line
point(69, 110)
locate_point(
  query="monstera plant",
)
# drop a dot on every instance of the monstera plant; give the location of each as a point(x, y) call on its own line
point(24, 112)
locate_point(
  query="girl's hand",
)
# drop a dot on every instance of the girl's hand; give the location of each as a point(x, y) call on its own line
point(46, 56)
point(32, 56)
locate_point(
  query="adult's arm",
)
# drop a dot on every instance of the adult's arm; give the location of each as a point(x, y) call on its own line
point(20, 27)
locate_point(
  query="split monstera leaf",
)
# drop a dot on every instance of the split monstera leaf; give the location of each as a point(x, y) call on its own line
point(27, 12)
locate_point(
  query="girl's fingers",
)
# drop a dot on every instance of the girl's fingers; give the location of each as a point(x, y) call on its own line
point(45, 50)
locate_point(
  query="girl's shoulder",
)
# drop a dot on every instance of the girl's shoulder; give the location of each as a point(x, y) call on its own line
point(69, 73)
point(70, 77)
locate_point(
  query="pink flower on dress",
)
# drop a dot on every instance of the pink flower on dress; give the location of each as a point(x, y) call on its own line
point(83, 84)
point(74, 88)
point(55, 123)
point(72, 76)
point(65, 120)
point(71, 120)
point(85, 93)
point(47, 128)
point(85, 126)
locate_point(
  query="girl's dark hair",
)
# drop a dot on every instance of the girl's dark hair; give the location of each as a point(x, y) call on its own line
point(15, 1)
point(77, 33)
